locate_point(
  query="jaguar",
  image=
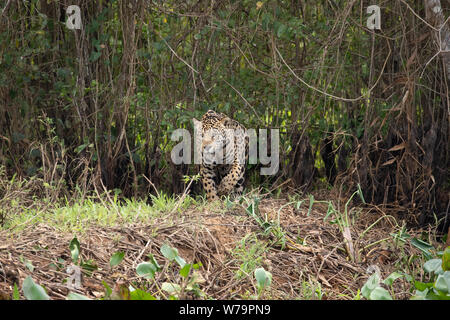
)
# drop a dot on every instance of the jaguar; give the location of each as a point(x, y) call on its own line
point(224, 152)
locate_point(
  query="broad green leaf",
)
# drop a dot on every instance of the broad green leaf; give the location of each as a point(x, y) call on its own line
point(180, 261)
point(432, 295)
point(433, 265)
point(74, 247)
point(171, 288)
point(138, 294)
point(169, 252)
point(184, 272)
point(422, 286)
point(33, 291)
point(76, 296)
point(154, 262)
point(116, 258)
point(380, 293)
point(370, 285)
point(420, 295)
point(392, 277)
point(146, 269)
point(263, 278)
point(443, 282)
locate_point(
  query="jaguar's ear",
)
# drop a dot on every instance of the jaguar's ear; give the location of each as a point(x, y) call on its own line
point(227, 122)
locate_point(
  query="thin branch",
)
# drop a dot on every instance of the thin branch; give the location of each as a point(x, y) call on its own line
point(330, 95)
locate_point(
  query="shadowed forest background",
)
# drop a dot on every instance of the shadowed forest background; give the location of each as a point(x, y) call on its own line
point(93, 109)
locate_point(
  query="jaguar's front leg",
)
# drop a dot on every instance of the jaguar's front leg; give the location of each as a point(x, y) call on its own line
point(209, 185)
point(234, 177)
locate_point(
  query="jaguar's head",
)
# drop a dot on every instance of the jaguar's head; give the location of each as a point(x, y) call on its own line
point(211, 138)
point(213, 142)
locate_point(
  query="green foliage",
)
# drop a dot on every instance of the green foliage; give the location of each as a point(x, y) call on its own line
point(189, 277)
point(446, 259)
point(42, 75)
point(249, 253)
point(372, 289)
point(16, 294)
point(438, 287)
point(148, 269)
point(263, 280)
point(33, 291)
point(75, 249)
point(116, 258)
point(76, 296)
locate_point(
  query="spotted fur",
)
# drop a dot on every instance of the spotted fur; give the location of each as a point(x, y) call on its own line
point(220, 134)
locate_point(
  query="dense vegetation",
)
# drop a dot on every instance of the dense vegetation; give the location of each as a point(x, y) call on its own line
point(94, 108)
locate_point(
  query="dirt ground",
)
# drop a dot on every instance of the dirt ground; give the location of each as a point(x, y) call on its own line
point(307, 256)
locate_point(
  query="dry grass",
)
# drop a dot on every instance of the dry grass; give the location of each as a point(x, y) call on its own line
point(307, 261)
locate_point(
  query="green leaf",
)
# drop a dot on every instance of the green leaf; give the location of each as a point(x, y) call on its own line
point(422, 246)
point(169, 252)
point(88, 266)
point(94, 56)
point(281, 30)
point(80, 148)
point(380, 293)
point(432, 295)
point(197, 266)
point(443, 282)
point(74, 247)
point(116, 258)
point(420, 295)
point(33, 291)
point(433, 265)
point(422, 286)
point(446, 259)
point(76, 296)
point(138, 294)
point(392, 277)
point(263, 278)
point(146, 269)
point(108, 290)
point(154, 262)
point(184, 272)
point(16, 294)
point(251, 209)
point(27, 263)
point(171, 288)
point(180, 261)
point(265, 23)
point(370, 285)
